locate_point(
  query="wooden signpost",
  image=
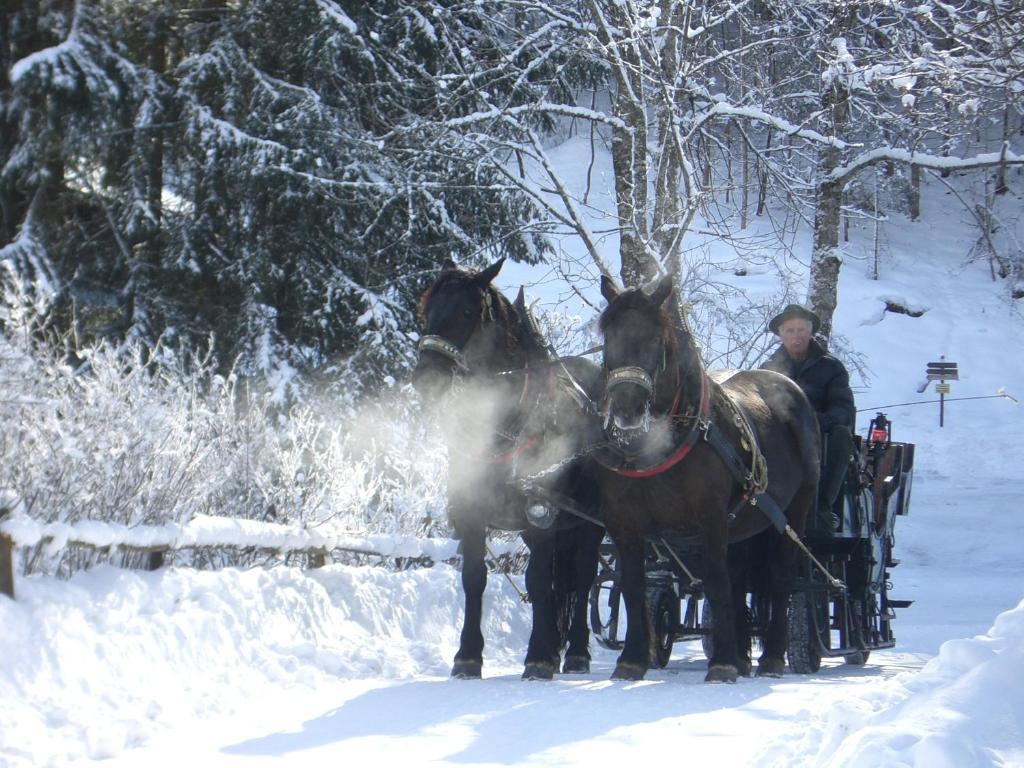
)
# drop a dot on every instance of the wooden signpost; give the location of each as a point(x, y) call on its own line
point(942, 371)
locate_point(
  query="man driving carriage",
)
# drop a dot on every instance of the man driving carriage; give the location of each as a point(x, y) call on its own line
point(825, 381)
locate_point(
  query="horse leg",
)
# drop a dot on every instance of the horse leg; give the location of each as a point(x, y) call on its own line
point(636, 652)
point(723, 664)
point(782, 568)
point(542, 651)
point(772, 661)
point(469, 658)
point(586, 540)
point(739, 569)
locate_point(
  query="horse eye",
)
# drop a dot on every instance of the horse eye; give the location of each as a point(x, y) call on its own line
point(467, 312)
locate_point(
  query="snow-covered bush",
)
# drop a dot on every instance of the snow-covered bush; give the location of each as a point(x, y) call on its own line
point(135, 436)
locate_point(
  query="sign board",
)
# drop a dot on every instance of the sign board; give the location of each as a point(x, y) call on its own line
point(942, 371)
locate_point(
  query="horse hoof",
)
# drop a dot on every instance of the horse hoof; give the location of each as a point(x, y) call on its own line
point(576, 665)
point(466, 669)
point(770, 667)
point(629, 671)
point(721, 673)
point(539, 670)
point(745, 668)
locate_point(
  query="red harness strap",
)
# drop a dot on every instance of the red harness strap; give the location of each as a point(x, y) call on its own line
point(691, 438)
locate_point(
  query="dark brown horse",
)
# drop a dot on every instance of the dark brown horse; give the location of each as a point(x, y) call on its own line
point(683, 458)
point(515, 423)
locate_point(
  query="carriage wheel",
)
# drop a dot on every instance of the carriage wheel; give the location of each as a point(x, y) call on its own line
point(707, 623)
point(664, 610)
point(808, 616)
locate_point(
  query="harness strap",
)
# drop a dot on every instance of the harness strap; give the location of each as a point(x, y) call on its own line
point(753, 493)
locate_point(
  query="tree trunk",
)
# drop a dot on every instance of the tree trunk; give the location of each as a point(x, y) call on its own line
point(628, 158)
point(825, 257)
point(670, 219)
point(745, 194)
point(825, 254)
point(915, 192)
point(1001, 186)
point(629, 147)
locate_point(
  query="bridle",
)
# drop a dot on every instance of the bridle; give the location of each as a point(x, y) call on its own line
point(629, 374)
point(441, 346)
point(638, 376)
point(452, 352)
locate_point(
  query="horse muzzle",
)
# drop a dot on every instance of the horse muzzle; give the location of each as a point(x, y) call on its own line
point(431, 382)
point(628, 408)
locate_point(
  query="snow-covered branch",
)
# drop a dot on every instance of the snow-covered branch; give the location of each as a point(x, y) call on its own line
point(850, 169)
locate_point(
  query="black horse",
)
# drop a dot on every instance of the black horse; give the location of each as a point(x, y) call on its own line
point(687, 455)
point(514, 420)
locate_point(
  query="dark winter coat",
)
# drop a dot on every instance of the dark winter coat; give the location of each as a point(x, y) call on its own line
point(823, 379)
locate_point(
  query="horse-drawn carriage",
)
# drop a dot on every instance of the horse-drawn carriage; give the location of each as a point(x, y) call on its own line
point(651, 448)
point(840, 605)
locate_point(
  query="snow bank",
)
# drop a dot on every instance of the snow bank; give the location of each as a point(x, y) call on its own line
point(964, 708)
point(92, 666)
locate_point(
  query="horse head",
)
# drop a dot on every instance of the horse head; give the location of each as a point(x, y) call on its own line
point(639, 342)
point(466, 326)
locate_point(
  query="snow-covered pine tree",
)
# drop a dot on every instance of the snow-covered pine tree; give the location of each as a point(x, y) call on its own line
point(280, 177)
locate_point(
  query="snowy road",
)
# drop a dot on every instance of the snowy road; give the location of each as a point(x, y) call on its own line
point(583, 721)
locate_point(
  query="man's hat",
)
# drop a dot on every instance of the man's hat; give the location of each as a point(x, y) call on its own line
point(794, 311)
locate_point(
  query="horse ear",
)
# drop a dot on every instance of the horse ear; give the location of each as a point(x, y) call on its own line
point(526, 321)
point(662, 290)
point(608, 289)
point(449, 266)
point(486, 276)
point(520, 302)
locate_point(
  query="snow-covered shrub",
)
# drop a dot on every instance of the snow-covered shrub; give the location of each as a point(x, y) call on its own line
point(134, 436)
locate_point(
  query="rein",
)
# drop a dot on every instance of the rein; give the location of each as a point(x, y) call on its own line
point(555, 360)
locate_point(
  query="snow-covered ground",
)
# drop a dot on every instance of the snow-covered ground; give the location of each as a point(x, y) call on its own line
point(350, 665)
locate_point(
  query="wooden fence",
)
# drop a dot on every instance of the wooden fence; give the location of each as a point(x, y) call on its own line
point(213, 532)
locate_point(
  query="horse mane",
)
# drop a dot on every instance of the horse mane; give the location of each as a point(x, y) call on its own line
point(501, 306)
point(530, 337)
